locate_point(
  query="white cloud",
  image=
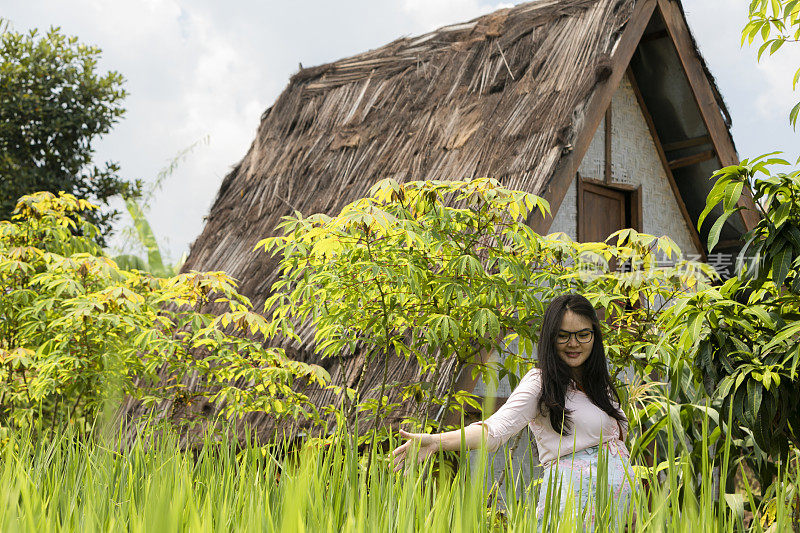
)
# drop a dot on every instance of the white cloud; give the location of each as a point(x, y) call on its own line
point(776, 74)
point(188, 77)
point(759, 95)
point(431, 14)
point(717, 27)
point(202, 67)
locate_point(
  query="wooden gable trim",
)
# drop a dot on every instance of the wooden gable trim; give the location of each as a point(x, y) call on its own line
point(705, 98)
point(678, 31)
point(556, 187)
point(698, 242)
point(607, 140)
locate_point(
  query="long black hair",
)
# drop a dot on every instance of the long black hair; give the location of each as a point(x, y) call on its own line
point(556, 375)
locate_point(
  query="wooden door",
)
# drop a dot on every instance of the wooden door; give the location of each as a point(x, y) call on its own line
point(601, 212)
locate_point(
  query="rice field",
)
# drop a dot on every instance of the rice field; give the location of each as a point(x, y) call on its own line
point(71, 484)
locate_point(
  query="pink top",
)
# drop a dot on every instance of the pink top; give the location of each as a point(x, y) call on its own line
point(589, 422)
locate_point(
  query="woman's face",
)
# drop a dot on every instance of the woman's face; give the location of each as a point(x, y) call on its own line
point(574, 340)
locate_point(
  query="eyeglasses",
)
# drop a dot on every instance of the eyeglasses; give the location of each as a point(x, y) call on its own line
point(583, 336)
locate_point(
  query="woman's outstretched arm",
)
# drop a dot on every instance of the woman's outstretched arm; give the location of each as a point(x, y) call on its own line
point(430, 443)
point(520, 408)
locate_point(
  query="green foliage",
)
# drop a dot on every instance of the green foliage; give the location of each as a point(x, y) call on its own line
point(78, 333)
point(54, 106)
point(450, 271)
point(401, 272)
point(741, 338)
point(774, 22)
point(154, 263)
point(70, 484)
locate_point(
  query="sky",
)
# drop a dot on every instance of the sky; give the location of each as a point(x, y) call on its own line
point(201, 72)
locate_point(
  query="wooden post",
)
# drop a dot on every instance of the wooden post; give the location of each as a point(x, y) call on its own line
point(608, 145)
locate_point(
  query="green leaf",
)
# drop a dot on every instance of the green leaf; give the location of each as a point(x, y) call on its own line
point(781, 214)
point(793, 115)
point(724, 387)
point(709, 206)
point(147, 237)
point(794, 236)
point(717, 192)
point(776, 46)
point(735, 502)
point(696, 326)
point(479, 321)
point(647, 437)
point(783, 335)
point(762, 49)
point(755, 393)
point(493, 324)
point(788, 8)
point(762, 314)
point(781, 263)
point(732, 195)
point(713, 235)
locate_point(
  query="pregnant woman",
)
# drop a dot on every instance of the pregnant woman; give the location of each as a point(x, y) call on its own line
point(569, 403)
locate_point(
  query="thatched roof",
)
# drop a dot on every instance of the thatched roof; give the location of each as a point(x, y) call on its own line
point(515, 95)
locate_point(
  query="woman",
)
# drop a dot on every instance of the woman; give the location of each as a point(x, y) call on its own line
point(570, 405)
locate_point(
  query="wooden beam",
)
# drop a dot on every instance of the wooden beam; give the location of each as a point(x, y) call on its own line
point(687, 143)
point(579, 207)
point(655, 35)
point(617, 186)
point(691, 159)
point(636, 210)
point(607, 174)
point(667, 170)
point(704, 96)
point(556, 187)
point(730, 243)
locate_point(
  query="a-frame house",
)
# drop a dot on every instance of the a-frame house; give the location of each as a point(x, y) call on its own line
point(603, 107)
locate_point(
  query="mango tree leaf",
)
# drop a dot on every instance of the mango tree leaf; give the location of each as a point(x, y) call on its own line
point(732, 195)
point(781, 263)
point(713, 235)
point(793, 115)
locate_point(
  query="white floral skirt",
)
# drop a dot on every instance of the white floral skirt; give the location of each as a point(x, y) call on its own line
point(592, 486)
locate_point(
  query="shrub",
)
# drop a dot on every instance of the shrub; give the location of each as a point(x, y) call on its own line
point(77, 333)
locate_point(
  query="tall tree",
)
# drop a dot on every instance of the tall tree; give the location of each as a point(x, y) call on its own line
point(53, 106)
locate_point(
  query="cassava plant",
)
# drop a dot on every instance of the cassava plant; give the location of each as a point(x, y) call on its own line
point(431, 270)
point(448, 272)
point(77, 333)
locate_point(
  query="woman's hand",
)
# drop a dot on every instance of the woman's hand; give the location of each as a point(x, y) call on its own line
point(423, 443)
